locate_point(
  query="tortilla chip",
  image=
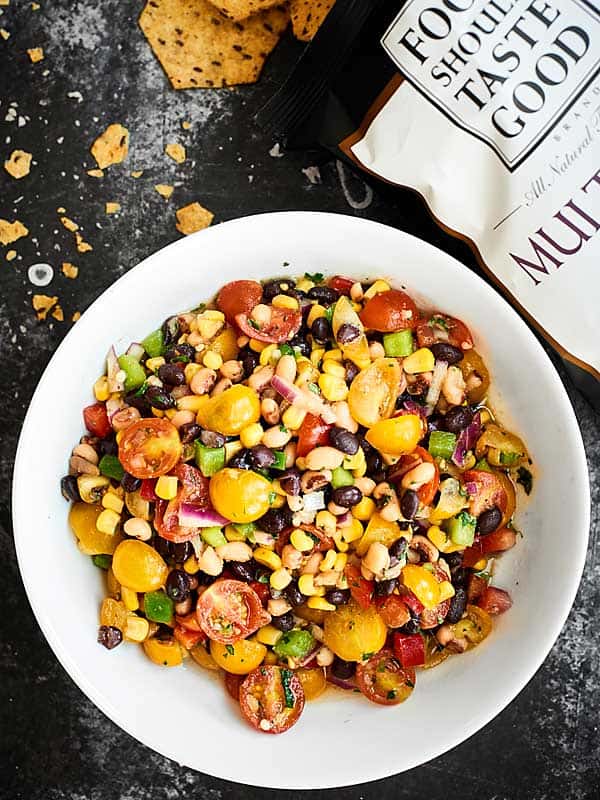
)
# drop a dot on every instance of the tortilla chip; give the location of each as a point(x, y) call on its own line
point(242, 9)
point(164, 190)
point(70, 270)
point(76, 316)
point(192, 218)
point(69, 224)
point(19, 164)
point(112, 208)
point(35, 54)
point(176, 151)
point(95, 173)
point(82, 245)
point(58, 314)
point(34, 6)
point(307, 17)
point(11, 255)
point(198, 48)
point(42, 303)
point(4, 2)
point(11, 231)
point(4, 34)
point(112, 146)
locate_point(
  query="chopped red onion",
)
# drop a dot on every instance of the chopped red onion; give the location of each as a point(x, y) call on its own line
point(190, 516)
point(344, 683)
point(344, 520)
point(135, 350)
point(471, 487)
point(113, 404)
point(314, 501)
point(467, 440)
point(435, 387)
point(303, 399)
point(414, 408)
point(112, 371)
point(302, 662)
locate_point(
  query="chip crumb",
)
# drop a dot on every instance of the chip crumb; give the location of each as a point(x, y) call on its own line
point(42, 303)
point(192, 218)
point(308, 16)
point(112, 207)
point(69, 224)
point(61, 210)
point(4, 34)
point(137, 173)
point(4, 2)
point(95, 173)
point(34, 6)
point(76, 316)
point(58, 314)
point(276, 151)
point(186, 125)
point(176, 151)
point(11, 231)
point(82, 246)
point(18, 164)
point(164, 190)
point(313, 174)
point(112, 146)
point(69, 270)
point(35, 54)
point(11, 255)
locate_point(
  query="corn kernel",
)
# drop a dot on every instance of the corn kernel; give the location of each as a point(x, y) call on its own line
point(233, 535)
point(190, 370)
point(342, 582)
point(213, 313)
point(334, 368)
point(212, 360)
point(326, 521)
point(341, 559)
point(340, 543)
point(166, 487)
point(333, 355)
point(301, 540)
point(446, 591)
point(307, 586)
point(101, 390)
point(304, 285)
point(119, 436)
point(267, 355)
point(315, 312)
point(479, 565)
point(158, 413)
point(316, 356)
point(268, 635)
point(469, 461)
point(270, 657)
point(364, 510)
point(334, 389)
point(356, 461)
point(276, 487)
point(422, 360)
point(136, 628)
point(191, 566)
point(232, 448)
point(251, 435)
point(293, 418)
point(257, 346)
point(441, 541)
point(320, 604)
point(377, 288)
point(112, 501)
point(130, 598)
point(278, 501)
point(154, 363)
point(280, 579)
point(353, 532)
point(191, 402)
point(108, 521)
point(267, 558)
point(285, 301)
point(328, 562)
point(207, 328)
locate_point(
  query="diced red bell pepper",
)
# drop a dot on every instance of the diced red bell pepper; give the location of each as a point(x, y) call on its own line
point(415, 605)
point(495, 601)
point(147, 490)
point(360, 588)
point(312, 433)
point(475, 587)
point(409, 649)
point(188, 638)
point(96, 420)
point(341, 284)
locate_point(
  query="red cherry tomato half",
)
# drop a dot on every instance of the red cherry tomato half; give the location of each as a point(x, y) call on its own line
point(491, 489)
point(432, 617)
point(383, 679)
point(390, 311)
point(284, 325)
point(324, 542)
point(409, 649)
point(341, 284)
point(232, 684)
point(440, 328)
point(360, 588)
point(410, 460)
point(193, 489)
point(271, 699)
point(312, 433)
point(496, 542)
point(476, 585)
point(230, 610)
point(238, 297)
point(150, 448)
point(147, 490)
point(494, 601)
point(415, 605)
point(393, 611)
point(96, 420)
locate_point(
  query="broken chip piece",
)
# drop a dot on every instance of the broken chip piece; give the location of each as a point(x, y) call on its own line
point(69, 270)
point(307, 17)
point(242, 9)
point(112, 146)
point(69, 224)
point(164, 190)
point(112, 207)
point(192, 218)
point(19, 164)
point(42, 303)
point(82, 245)
point(11, 231)
point(35, 54)
point(176, 151)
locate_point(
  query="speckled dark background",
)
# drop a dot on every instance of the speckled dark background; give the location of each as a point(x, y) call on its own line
point(55, 745)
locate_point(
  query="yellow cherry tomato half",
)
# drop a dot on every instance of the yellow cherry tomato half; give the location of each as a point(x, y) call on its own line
point(422, 583)
point(475, 626)
point(138, 566)
point(231, 411)
point(239, 658)
point(378, 530)
point(239, 495)
point(91, 541)
point(313, 681)
point(353, 632)
point(396, 436)
point(373, 393)
point(164, 652)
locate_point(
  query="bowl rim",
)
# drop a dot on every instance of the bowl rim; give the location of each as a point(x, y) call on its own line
point(462, 732)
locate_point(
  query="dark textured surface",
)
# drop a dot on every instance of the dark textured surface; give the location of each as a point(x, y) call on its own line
point(55, 745)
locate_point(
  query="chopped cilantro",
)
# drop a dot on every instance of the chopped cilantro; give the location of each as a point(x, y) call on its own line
point(366, 656)
point(285, 264)
point(391, 695)
point(483, 574)
point(314, 388)
point(508, 459)
point(409, 683)
point(316, 277)
point(254, 323)
point(286, 350)
point(142, 389)
point(264, 578)
point(286, 677)
point(272, 497)
point(525, 478)
point(230, 650)
point(440, 322)
point(283, 429)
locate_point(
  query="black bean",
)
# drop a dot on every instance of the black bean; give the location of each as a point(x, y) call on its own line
point(302, 344)
point(211, 438)
point(398, 548)
point(460, 575)
point(109, 636)
point(489, 520)
point(242, 570)
point(69, 490)
point(181, 352)
point(272, 288)
point(171, 374)
point(293, 594)
point(178, 585)
point(170, 331)
point(374, 463)
point(290, 481)
point(385, 588)
point(409, 504)
point(347, 333)
point(458, 604)
point(159, 398)
point(181, 551)
point(138, 401)
point(447, 352)
point(283, 623)
point(343, 669)
point(275, 520)
point(130, 483)
point(411, 627)
point(249, 361)
point(323, 294)
point(162, 547)
point(261, 457)
point(240, 460)
point(346, 496)
point(351, 370)
point(320, 330)
point(108, 446)
point(454, 560)
point(339, 597)
point(189, 432)
point(343, 440)
point(457, 418)
point(435, 423)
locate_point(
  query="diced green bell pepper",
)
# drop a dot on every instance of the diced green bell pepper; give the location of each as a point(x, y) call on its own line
point(329, 312)
point(279, 462)
point(341, 477)
point(442, 444)
point(103, 561)
point(134, 372)
point(247, 529)
point(398, 344)
point(154, 343)
point(213, 536)
point(508, 459)
point(111, 467)
point(483, 465)
point(461, 529)
point(287, 349)
point(158, 607)
point(294, 644)
point(209, 459)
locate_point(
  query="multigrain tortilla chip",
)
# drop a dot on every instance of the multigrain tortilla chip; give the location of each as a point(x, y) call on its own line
point(164, 190)
point(19, 164)
point(70, 270)
point(192, 218)
point(198, 48)
point(307, 17)
point(35, 54)
point(176, 151)
point(242, 9)
point(82, 246)
point(42, 303)
point(112, 146)
point(11, 231)
point(112, 208)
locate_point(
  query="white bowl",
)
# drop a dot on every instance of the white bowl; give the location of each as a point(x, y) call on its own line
point(341, 739)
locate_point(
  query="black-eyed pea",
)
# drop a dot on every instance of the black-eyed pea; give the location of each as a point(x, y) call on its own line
point(286, 368)
point(138, 528)
point(181, 418)
point(366, 485)
point(291, 558)
point(203, 381)
point(343, 417)
point(277, 607)
point(376, 559)
point(275, 438)
point(324, 656)
point(376, 350)
point(269, 410)
point(418, 476)
point(311, 567)
point(87, 452)
point(290, 454)
point(221, 386)
point(184, 607)
point(234, 551)
point(261, 378)
point(233, 370)
point(210, 562)
point(324, 458)
point(81, 466)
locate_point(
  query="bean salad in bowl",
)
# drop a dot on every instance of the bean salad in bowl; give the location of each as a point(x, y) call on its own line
point(298, 484)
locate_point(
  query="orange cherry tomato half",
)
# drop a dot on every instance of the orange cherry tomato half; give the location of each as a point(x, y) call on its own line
point(284, 325)
point(441, 328)
point(193, 489)
point(230, 610)
point(238, 297)
point(312, 433)
point(150, 448)
point(382, 679)
point(393, 611)
point(390, 311)
point(495, 601)
point(272, 699)
point(232, 684)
